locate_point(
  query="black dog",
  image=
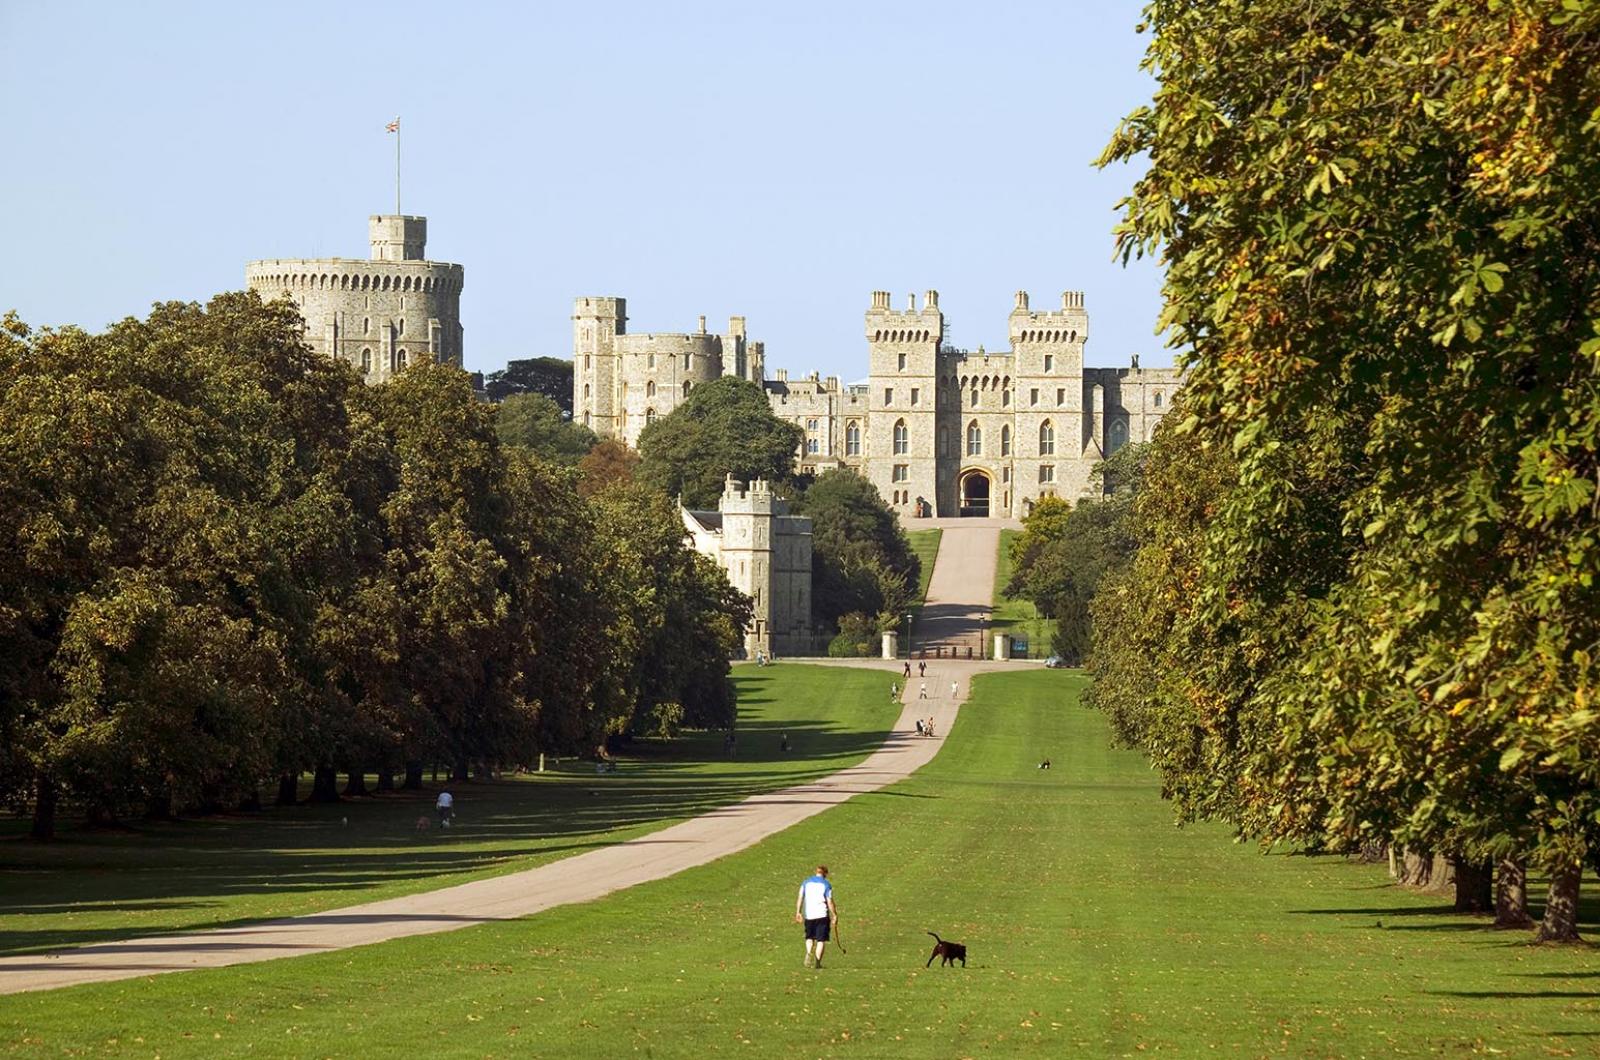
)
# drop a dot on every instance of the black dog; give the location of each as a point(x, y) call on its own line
point(1045, 764)
point(950, 951)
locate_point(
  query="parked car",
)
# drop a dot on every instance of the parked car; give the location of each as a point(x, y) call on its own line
point(1055, 662)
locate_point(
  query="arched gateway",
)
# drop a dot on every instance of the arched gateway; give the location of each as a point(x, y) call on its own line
point(975, 493)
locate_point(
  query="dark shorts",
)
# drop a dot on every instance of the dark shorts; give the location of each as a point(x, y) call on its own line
point(817, 930)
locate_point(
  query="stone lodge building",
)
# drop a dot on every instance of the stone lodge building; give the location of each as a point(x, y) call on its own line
point(380, 314)
point(766, 553)
point(939, 431)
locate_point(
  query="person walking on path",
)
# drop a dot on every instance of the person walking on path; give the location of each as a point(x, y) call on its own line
point(922, 693)
point(814, 908)
point(445, 806)
point(922, 668)
point(955, 689)
point(908, 668)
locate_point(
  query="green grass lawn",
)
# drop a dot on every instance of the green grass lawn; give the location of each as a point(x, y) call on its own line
point(1018, 617)
point(90, 886)
point(925, 543)
point(1095, 928)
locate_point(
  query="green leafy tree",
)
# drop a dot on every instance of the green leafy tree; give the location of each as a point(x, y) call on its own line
point(549, 376)
point(1380, 229)
point(861, 559)
point(724, 427)
point(533, 421)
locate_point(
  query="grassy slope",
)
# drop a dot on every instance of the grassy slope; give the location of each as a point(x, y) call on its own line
point(1018, 617)
point(91, 886)
point(925, 543)
point(1095, 928)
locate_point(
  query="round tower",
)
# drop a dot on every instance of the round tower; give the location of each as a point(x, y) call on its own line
point(382, 314)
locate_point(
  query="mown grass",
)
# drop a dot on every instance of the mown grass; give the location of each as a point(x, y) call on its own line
point(925, 544)
point(89, 886)
point(1094, 927)
point(1018, 617)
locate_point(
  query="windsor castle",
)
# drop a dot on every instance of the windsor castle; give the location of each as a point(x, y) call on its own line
point(939, 431)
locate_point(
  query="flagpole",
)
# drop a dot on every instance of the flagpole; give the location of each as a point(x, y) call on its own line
point(397, 167)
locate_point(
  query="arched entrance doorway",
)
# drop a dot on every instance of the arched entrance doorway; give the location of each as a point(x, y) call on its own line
point(975, 493)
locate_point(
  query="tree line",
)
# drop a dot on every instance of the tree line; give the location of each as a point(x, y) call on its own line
point(1361, 607)
point(225, 562)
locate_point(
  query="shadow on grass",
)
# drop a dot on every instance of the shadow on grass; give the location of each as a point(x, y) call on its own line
point(158, 876)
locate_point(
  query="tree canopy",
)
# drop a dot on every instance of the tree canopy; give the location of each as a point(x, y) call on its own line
point(861, 559)
point(1368, 599)
point(724, 427)
point(225, 561)
point(549, 376)
point(533, 421)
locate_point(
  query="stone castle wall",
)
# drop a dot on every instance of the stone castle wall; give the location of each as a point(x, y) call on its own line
point(380, 314)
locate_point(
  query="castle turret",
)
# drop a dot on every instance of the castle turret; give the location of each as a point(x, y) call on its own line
point(381, 314)
point(596, 376)
point(903, 405)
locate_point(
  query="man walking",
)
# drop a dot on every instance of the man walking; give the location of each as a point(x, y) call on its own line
point(815, 909)
point(955, 689)
point(446, 806)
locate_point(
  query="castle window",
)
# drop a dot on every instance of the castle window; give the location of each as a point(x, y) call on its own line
point(650, 360)
point(1049, 362)
point(1047, 439)
point(366, 329)
point(902, 438)
point(588, 419)
point(1005, 474)
point(366, 362)
point(915, 394)
point(402, 358)
point(902, 473)
point(650, 388)
point(944, 441)
point(974, 397)
point(1158, 399)
point(1061, 397)
point(811, 424)
point(1033, 396)
point(1119, 436)
point(1005, 399)
point(974, 439)
point(586, 392)
point(902, 362)
point(686, 362)
point(587, 364)
point(649, 416)
point(812, 446)
point(686, 386)
point(888, 396)
point(402, 325)
point(1005, 440)
point(852, 439)
point(1047, 472)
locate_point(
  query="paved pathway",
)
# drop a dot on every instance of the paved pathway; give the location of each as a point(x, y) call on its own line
point(583, 877)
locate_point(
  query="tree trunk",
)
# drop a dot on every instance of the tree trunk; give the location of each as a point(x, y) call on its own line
point(1560, 922)
point(459, 773)
point(288, 789)
point(413, 780)
point(158, 806)
point(1416, 868)
point(325, 784)
point(385, 779)
point(1511, 895)
point(44, 806)
point(1474, 885)
point(355, 782)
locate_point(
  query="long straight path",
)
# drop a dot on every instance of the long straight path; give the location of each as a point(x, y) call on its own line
point(959, 591)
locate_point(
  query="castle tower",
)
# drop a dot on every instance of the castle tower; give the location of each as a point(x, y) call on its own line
point(905, 422)
point(596, 375)
point(380, 315)
point(747, 553)
point(1050, 424)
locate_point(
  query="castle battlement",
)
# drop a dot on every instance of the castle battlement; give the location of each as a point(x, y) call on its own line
point(913, 325)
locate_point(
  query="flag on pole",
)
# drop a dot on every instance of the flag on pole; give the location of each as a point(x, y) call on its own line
point(393, 126)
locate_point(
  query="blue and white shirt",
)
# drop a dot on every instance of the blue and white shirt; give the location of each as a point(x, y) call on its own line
point(814, 895)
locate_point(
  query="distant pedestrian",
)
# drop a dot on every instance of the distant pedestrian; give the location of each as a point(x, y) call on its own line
point(894, 692)
point(908, 668)
point(922, 692)
point(922, 668)
point(955, 689)
point(445, 807)
point(783, 743)
point(919, 727)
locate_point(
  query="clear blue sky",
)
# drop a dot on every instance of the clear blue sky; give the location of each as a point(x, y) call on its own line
point(775, 161)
